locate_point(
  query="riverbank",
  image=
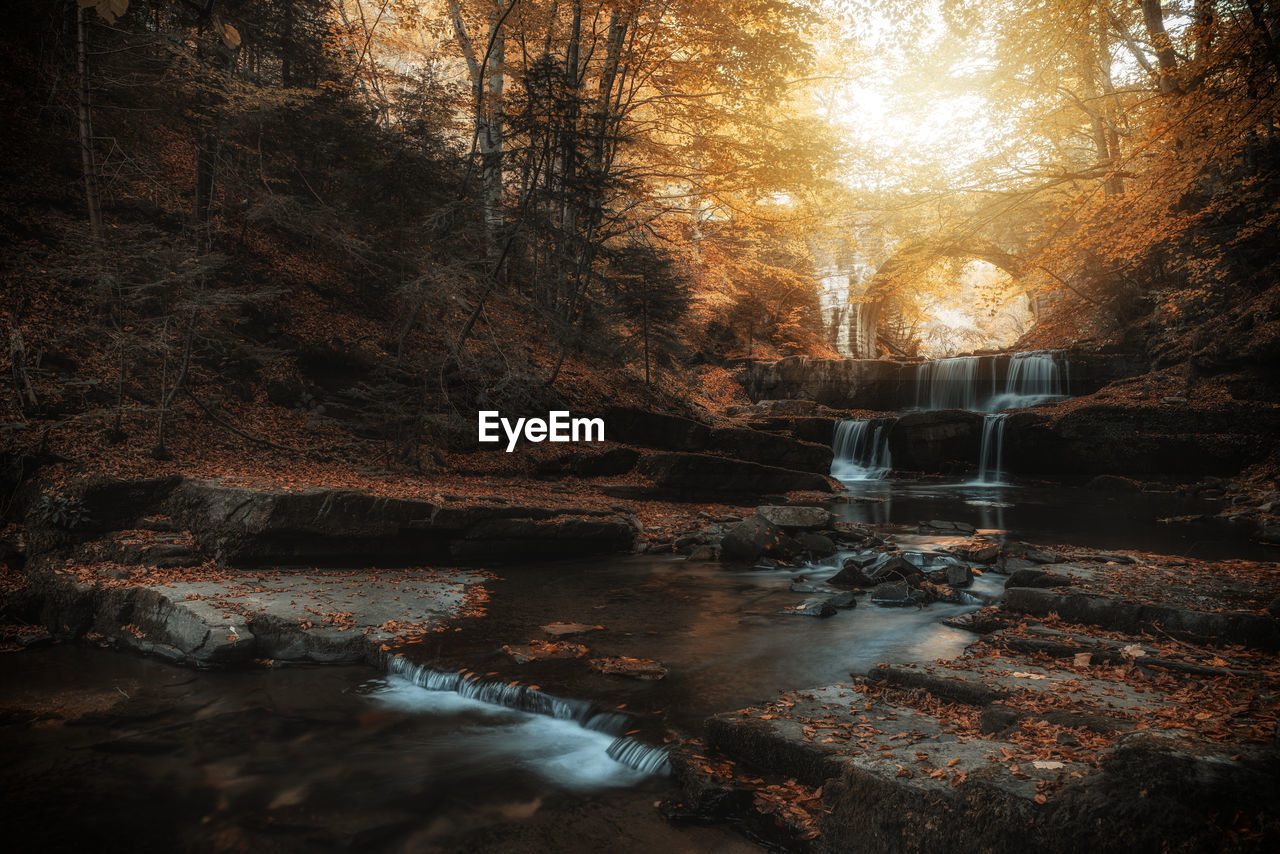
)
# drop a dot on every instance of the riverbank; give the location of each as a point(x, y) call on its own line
point(1164, 637)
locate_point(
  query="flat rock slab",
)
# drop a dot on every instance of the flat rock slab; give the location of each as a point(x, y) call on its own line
point(815, 735)
point(980, 681)
point(222, 618)
point(1260, 631)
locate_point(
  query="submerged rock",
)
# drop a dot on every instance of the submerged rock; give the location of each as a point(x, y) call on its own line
point(842, 599)
point(811, 608)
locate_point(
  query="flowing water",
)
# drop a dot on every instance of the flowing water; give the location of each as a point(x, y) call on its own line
point(860, 449)
point(458, 747)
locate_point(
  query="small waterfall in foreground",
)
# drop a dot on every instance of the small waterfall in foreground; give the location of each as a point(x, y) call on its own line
point(860, 449)
point(626, 750)
point(991, 457)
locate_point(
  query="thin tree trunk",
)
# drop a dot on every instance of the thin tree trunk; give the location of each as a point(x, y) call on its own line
point(85, 112)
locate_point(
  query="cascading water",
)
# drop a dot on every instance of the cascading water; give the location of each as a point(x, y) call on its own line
point(948, 383)
point(860, 449)
point(628, 751)
point(1032, 378)
point(991, 458)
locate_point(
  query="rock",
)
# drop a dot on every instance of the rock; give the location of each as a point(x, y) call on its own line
point(757, 536)
point(240, 525)
point(1031, 577)
point(702, 553)
point(1115, 557)
point(796, 518)
point(842, 383)
point(1013, 564)
point(931, 441)
point(944, 526)
point(842, 599)
point(655, 429)
point(801, 585)
point(1042, 555)
point(701, 473)
point(997, 719)
point(535, 539)
point(771, 449)
point(959, 575)
point(811, 608)
point(892, 594)
point(851, 576)
point(890, 567)
point(614, 461)
point(672, 433)
point(636, 668)
point(817, 545)
point(977, 552)
point(1174, 400)
point(685, 542)
point(1113, 483)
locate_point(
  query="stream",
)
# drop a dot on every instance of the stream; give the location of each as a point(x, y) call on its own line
point(342, 758)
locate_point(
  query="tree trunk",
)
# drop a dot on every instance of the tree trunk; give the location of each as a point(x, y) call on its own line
point(1166, 59)
point(85, 112)
point(491, 143)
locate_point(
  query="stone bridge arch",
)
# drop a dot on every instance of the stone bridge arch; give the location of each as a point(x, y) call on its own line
point(918, 255)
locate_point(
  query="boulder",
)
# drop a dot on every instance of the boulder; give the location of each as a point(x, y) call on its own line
point(796, 518)
point(750, 539)
point(702, 553)
point(702, 473)
point(817, 545)
point(890, 567)
point(977, 552)
point(959, 575)
point(842, 599)
point(893, 594)
point(851, 576)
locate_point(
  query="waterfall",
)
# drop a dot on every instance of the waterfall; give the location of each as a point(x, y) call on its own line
point(860, 449)
point(639, 756)
point(948, 383)
point(991, 458)
point(522, 698)
point(626, 750)
point(1032, 378)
